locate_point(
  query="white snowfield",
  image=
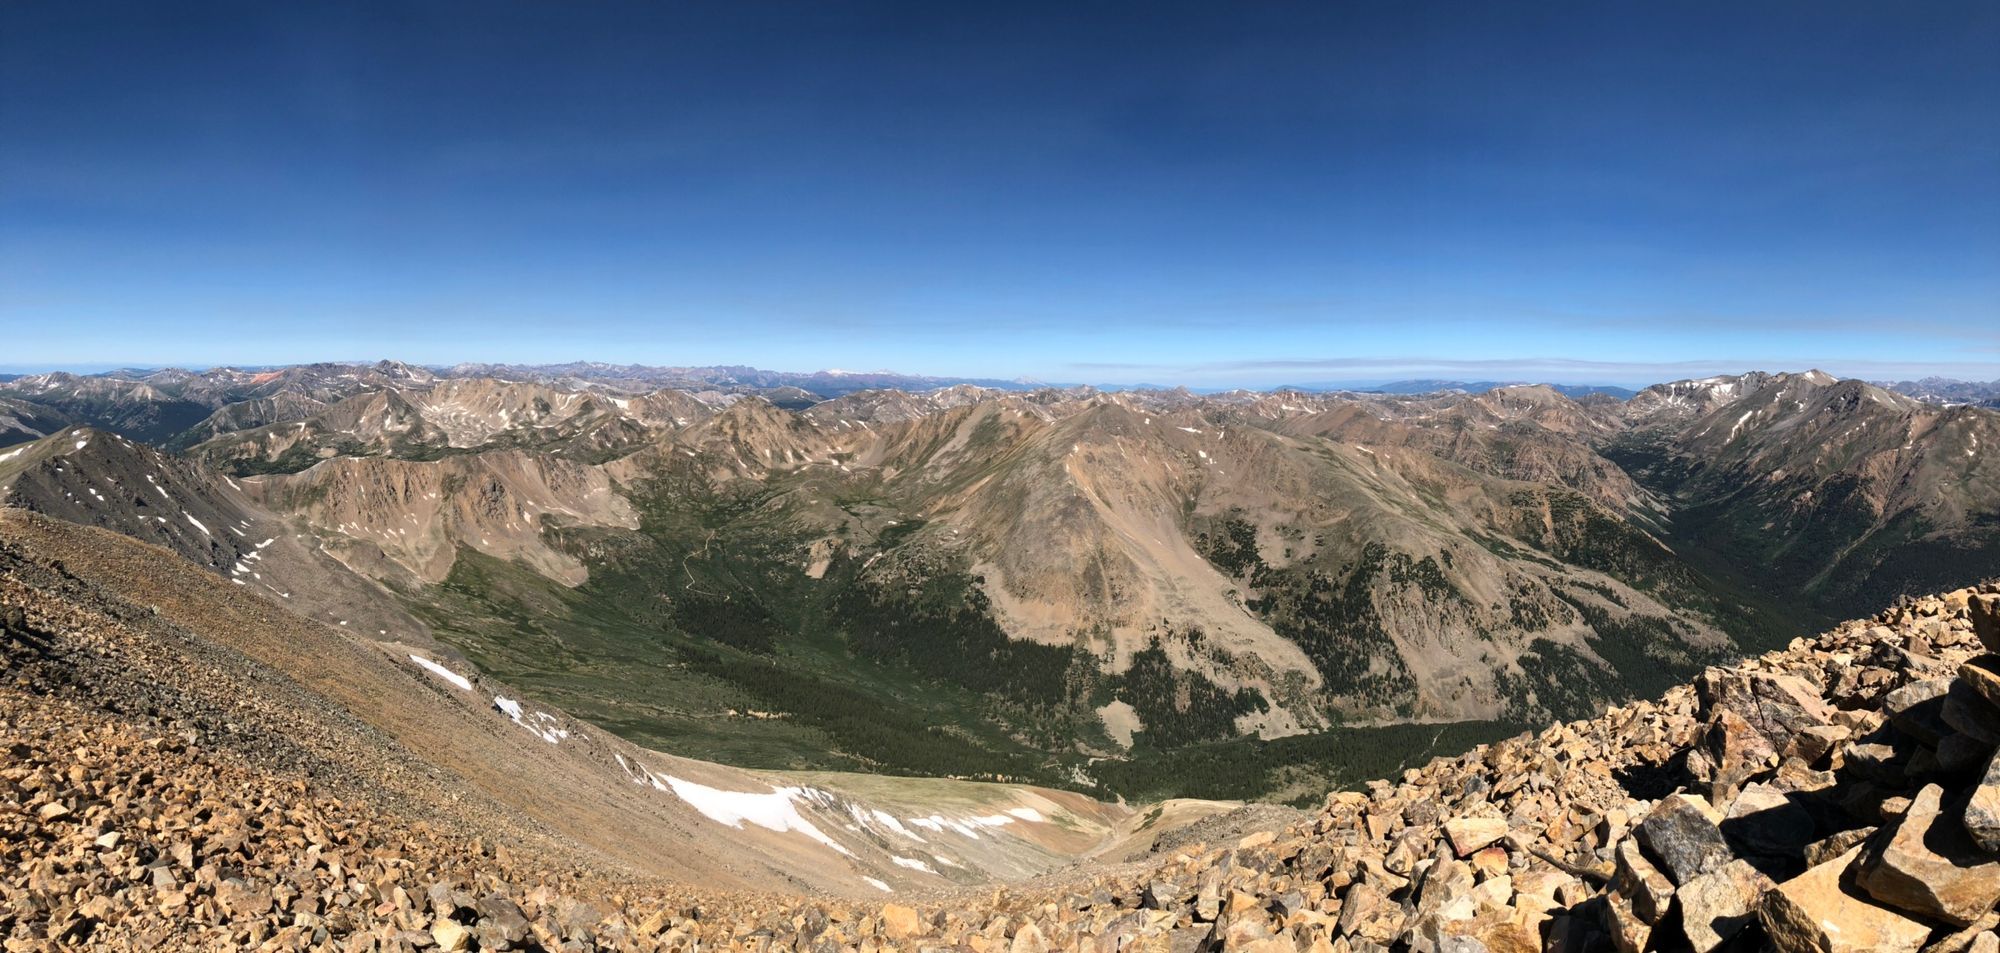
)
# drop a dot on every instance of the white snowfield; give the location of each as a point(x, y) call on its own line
point(776, 811)
point(968, 827)
point(440, 671)
point(541, 723)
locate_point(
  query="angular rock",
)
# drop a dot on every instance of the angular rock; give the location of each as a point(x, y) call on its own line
point(1777, 706)
point(1982, 675)
point(1719, 904)
point(1737, 750)
point(1918, 709)
point(1163, 895)
point(1812, 743)
point(1984, 610)
point(1682, 833)
point(1648, 890)
point(1763, 820)
point(1832, 846)
point(900, 922)
point(1469, 834)
point(1815, 913)
point(1982, 813)
point(451, 936)
point(1970, 713)
point(1930, 867)
point(1629, 932)
point(1960, 754)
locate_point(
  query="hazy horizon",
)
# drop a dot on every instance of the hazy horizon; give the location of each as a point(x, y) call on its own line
point(1353, 383)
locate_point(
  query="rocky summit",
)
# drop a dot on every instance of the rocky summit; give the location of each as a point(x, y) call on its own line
point(1841, 794)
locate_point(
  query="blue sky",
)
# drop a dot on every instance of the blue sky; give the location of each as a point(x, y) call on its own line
point(1212, 194)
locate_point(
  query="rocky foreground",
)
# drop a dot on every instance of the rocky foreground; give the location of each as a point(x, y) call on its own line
point(1840, 795)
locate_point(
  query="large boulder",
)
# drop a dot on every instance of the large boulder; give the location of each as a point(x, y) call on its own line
point(1918, 709)
point(1984, 610)
point(1469, 834)
point(1982, 675)
point(1776, 706)
point(1982, 812)
point(1971, 714)
point(1717, 905)
point(1815, 913)
point(1930, 867)
point(1682, 832)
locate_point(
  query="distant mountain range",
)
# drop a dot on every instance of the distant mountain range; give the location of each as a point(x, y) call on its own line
point(1128, 593)
point(1940, 390)
point(1478, 387)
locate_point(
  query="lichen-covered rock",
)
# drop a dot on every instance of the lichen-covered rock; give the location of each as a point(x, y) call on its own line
point(1682, 831)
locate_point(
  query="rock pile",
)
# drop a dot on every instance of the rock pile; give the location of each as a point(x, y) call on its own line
point(1842, 794)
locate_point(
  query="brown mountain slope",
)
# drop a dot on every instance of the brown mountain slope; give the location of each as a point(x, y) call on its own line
point(1838, 795)
point(405, 520)
point(133, 631)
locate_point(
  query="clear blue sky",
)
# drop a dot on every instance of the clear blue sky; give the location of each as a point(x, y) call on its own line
point(1213, 194)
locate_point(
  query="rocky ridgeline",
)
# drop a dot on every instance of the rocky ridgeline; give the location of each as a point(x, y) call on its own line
point(1840, 795)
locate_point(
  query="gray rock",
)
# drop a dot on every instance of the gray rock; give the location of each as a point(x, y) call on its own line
point(1682, 834)
point(1764, 820)
point(1918, 709)
point(1969, 712)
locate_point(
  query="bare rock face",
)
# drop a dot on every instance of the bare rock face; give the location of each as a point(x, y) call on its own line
point(1814, 913)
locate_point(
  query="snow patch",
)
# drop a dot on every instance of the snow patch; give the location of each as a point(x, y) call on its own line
point(542, 724)
point(438, 670)
point(914, 864)
point(889, 821)
point(776, 811)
